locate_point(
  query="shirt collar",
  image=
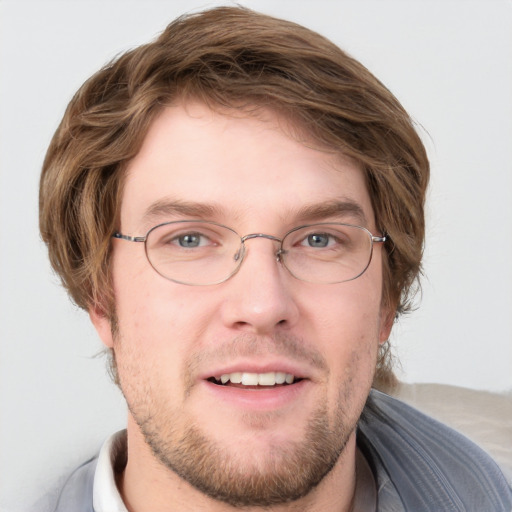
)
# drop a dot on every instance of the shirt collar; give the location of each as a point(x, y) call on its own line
point(106, 497)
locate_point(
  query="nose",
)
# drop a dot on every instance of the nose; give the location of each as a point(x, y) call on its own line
point(260, 297)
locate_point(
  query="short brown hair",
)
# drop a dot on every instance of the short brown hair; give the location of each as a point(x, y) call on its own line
point(228, 56)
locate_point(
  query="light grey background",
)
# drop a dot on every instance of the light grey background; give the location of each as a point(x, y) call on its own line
point(449, 62)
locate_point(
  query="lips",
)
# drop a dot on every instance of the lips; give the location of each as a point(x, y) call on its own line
point(258, 386)
point(245, 378)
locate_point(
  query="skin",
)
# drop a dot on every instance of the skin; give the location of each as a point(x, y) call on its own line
point(171, 337)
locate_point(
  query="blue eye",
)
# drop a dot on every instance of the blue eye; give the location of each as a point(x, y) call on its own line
point(317, 240)
point(176, 237)
point(189, 240)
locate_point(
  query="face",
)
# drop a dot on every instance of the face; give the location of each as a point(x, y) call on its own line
point(242, 443)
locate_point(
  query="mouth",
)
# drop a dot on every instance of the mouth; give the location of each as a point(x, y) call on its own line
point(249, 380)
point(245, 388)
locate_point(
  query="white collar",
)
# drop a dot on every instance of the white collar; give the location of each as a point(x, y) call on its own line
point(106, 497)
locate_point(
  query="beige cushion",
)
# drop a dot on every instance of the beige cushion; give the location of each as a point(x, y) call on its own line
point(483, 417)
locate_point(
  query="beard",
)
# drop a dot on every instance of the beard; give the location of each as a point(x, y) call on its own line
point(289, 473)
point(286, 472)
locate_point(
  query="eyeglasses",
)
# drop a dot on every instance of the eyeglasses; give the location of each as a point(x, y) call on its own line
point(195, 252)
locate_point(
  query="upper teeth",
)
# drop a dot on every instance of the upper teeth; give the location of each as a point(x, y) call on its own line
point(254, 379)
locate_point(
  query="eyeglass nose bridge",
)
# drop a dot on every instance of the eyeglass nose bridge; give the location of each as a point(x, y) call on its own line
point(260, 235)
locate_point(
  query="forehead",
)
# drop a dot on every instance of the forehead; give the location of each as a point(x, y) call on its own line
point(235, 167)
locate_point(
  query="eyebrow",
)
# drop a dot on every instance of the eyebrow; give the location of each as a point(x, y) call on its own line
point(172, 208)
point(335, 208)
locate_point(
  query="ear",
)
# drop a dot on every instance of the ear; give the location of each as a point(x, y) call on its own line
point(387, 318)
point(102, 325)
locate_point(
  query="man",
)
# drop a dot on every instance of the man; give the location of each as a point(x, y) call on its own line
point(239, 207)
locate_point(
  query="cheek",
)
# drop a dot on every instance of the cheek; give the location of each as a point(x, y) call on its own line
point(142, 297)
point(350, 311)
point(347, 324)
point(353, 357)
point(160, 323)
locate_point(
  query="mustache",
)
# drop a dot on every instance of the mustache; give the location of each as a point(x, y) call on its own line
point(251, 345)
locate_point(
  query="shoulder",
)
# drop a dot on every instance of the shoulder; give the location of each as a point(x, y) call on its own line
point(73, 494)
point(431, 466)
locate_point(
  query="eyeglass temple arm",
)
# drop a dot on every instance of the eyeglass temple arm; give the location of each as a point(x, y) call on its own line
point(129, 238)
point(379, 239)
